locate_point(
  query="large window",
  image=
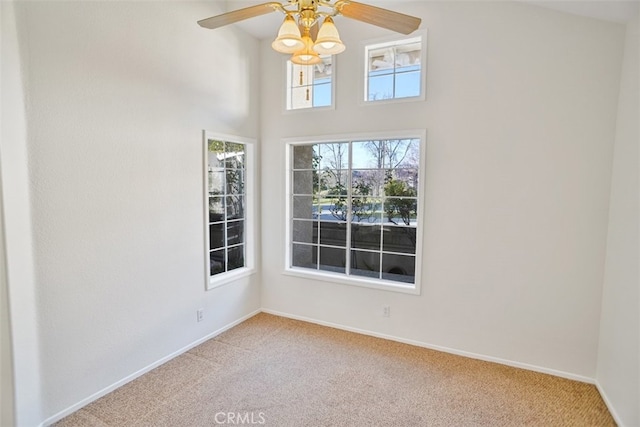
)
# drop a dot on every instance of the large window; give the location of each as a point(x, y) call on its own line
point(394, 70)
point(228, 214)
point(354, 210)
point(310, 86)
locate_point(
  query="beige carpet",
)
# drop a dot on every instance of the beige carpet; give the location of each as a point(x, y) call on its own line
point(280, 372)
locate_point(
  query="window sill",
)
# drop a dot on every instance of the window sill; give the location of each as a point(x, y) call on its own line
point(309, 109)
point(383, 285)
point(229, 277)
point(391, 101)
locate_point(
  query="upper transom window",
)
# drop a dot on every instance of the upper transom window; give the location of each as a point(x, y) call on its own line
point(310, 86)
point(394, 70)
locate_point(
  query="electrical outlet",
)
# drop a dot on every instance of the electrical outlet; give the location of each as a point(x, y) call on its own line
point(386, 311)
point(200, 314)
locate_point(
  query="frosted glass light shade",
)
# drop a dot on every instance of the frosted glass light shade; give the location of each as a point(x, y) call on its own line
point(306, 56)
point(328, 41)
point(288, 40)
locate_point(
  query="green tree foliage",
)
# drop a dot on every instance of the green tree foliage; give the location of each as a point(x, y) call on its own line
point(362, 206)
point(401, 201)
point(216, 146)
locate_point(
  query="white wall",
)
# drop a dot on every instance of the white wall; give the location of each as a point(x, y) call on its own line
point(18, 257)
point(118, 96)
point(7, 391)
point(618, 372)
point(520, 118)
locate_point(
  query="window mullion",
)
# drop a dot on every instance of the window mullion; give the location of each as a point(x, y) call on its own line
point(226, 208)
point(394, 71)
point(349, 211)
point(381, 240)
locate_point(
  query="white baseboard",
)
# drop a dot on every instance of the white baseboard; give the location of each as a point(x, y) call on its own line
point(610, 407)
point(84, 402)
point(483, 357)
point(106, 390)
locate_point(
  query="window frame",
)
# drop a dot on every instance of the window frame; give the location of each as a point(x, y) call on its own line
point(212, 282)
point(285, 95)
point(342, 278)
point(393, 41)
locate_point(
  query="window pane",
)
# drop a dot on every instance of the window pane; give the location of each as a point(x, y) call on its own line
point(367, 210)
point(304, 207)
point(334, 182)
point(363, 183)
point(235, 207)
point(305, 231)
point(334, 209)
point(303, 182)
point(301, 75)
point(235, 160)
point(327, 211)
point(400, 268)
point(216, 182)
point(322, 95)
point(381, 59)
point(401, 183)
point(333, 233)
point(411, 154)
point(304, 156)
point(408, 54)
point(380, 87)
point(368, 182)
point(365, 264)
point(235, 182)
point(301, 97)
point(234, 155)
point(236, 257)
point(235, 232)
point(216, 235)
point(304, 256)
point(408, 84)
point(400, 211)
point(215, 153)
point(323, 71)
point(332, 259)
point(216, 209)
point(334, 156)
point(362, 156)
point(217, 262)
point(365, 237)
point(399, 239)
point(408, 178)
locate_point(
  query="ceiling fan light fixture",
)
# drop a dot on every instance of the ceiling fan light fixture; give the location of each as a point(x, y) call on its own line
point(328, 41)
point(288, 40)
point(306, 55)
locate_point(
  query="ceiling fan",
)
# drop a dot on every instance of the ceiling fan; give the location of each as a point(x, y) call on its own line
point(300, 33)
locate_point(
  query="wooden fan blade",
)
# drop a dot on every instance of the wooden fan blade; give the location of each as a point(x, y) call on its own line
point(378, 16)
point(238, 15)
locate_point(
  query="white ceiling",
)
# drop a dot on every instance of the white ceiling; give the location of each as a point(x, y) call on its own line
point(264, 27)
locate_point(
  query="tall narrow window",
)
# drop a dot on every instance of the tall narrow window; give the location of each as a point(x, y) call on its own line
point(394, 70)
point(228, 208)
point(354, 210)
point(310, 86)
